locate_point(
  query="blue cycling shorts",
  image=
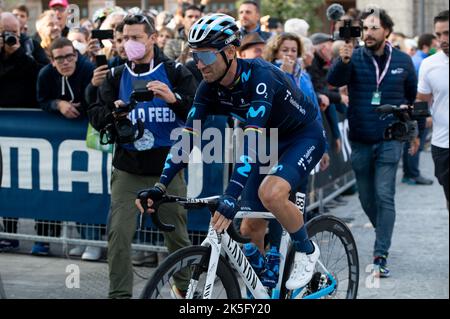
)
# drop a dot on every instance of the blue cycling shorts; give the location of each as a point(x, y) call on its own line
point(298, 155)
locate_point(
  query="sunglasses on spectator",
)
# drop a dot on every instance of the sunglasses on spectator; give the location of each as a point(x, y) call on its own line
point(69, 57)
point(140, 19)
point(207, 57)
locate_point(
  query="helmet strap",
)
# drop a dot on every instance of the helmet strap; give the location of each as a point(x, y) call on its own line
point(228, 63)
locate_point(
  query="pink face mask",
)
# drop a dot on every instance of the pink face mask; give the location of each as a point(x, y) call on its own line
point(135, 50)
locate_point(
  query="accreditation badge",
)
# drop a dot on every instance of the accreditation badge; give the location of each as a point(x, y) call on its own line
point(376, 98)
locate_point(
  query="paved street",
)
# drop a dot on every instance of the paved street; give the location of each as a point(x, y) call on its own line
point(419, 257)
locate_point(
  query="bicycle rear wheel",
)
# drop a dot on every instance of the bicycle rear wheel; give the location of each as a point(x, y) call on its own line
point(192, 260)
point(338, 254)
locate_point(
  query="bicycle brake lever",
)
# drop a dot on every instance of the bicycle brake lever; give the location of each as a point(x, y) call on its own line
point(157, 222)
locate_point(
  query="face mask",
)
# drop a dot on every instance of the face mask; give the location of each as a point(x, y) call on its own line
point(432, 51)
point(81, 47)
point(135, 50)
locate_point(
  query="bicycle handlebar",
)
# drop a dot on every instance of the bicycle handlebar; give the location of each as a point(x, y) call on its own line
point(188, 203)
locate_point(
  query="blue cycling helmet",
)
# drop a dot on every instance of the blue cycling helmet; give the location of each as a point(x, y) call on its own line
point(214, 31)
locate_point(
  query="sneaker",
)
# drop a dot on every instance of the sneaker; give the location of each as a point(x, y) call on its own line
point(303, 268)
point(40, 249)
point(92, 253)
point(144, 258)
point(8, 244)
point(76, 251)
point(419, 180)
point(380, 268)
point(176, 293)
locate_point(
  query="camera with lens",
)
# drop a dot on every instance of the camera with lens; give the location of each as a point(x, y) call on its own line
point(348, 31)
point(405, 129)
point(9, 38)
point(122, 131)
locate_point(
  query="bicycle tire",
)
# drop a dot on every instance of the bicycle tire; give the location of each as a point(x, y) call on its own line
point(195, 256)
point(334, 226)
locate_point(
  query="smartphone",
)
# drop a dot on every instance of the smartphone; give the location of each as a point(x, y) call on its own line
point(101, 60)
point(102, 34)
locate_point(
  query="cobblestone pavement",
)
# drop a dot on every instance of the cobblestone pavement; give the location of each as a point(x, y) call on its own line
point(419, 256)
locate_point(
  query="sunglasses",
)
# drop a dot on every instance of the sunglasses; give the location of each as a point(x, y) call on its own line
point(207, 57)
point(139, 18)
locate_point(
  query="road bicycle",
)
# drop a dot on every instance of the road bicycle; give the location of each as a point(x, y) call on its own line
point(218, 268)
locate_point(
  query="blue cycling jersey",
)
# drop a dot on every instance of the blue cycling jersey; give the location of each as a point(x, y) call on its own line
point(262, 96)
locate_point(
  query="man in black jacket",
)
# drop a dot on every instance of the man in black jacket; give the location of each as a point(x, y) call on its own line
point(138, 164)
point(61, 85)
point(18, 72)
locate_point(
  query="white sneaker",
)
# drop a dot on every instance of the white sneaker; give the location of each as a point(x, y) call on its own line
point(76, 251)
point(92, 253)
point(303, 268)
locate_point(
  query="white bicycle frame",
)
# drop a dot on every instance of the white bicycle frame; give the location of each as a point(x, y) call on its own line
point(223, 242)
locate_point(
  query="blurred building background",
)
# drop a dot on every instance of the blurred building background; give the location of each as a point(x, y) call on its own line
point(411, 17)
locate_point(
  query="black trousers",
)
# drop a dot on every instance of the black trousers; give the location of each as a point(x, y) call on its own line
point(440, 158)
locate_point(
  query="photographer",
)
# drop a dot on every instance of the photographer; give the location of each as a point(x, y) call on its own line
point(18, 71)
point(375, 74)
point(138, 164)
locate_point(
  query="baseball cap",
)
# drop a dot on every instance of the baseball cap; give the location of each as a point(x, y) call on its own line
point(63, 3)
point(249, 40)
point(318, 38)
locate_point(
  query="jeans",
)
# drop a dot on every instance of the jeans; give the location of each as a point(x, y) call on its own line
point(411, 162)
point(375, 168)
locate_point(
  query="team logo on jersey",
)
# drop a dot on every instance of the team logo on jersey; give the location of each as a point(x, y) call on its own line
point(167, 164)
point(276, 169)
point(246, 76)
point(245, 170)
point(254, 113)
point(192, 112)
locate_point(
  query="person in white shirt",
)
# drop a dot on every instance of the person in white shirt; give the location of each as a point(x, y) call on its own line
point(433, 88)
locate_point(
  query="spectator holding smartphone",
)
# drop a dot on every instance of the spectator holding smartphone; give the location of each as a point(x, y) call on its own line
point(61, 85)
point(60, 89)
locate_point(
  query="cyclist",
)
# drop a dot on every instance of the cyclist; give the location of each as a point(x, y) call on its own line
point(259, 94)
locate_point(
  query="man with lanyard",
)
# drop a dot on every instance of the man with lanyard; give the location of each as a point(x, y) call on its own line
point(139, 163)
point(248, 90)
point(375, 74)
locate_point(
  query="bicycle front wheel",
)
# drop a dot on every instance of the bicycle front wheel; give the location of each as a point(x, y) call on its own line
point(338, 254)
point(186, 266)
